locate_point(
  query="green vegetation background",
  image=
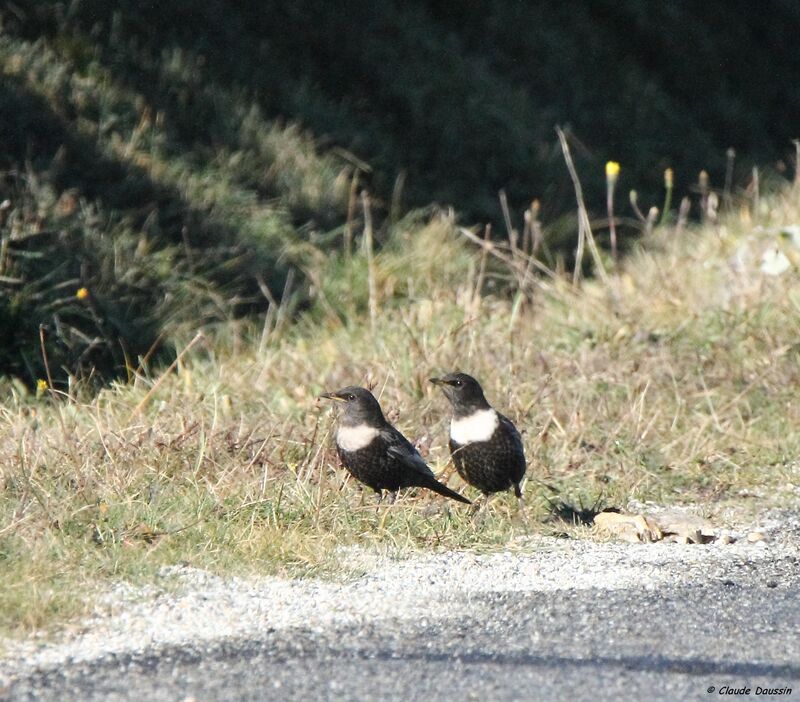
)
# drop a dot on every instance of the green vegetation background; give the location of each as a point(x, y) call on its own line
point(178, 159)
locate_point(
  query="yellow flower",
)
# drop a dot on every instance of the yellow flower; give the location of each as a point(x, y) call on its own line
point(668, 178)
point(41, 387)
point(82, 293)
point(612, 171)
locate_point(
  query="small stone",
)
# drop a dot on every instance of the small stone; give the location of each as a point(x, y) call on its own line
point(691, 528)
point(756, 536)
point(628, 527)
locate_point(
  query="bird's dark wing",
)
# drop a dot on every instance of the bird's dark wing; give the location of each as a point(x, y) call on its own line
point(519, 451)
point(400, 448)
point(509, 426)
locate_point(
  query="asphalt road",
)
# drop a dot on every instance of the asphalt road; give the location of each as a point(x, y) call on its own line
point(739, 627)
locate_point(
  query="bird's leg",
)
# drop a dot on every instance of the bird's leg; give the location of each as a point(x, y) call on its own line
point(521, 504)
point(480, 504)
point(382, 520)
point(392, 496)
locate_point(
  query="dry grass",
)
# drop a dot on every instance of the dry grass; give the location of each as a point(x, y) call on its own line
point(674, 382)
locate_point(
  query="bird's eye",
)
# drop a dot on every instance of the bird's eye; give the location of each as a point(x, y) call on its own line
point(351, 396)
point(457, 383)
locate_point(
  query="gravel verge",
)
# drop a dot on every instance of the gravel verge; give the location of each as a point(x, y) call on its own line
point(208, 610)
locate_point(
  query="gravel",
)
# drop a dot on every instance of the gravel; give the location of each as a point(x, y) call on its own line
point(193, 609)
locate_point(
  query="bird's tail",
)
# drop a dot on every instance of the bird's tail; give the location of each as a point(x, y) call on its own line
point(436, 486)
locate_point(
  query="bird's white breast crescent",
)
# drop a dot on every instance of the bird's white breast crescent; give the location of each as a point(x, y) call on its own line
point(355, 438)
point(479, 426)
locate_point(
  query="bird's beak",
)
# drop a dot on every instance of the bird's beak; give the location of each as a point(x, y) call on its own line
point(331, 396)
point(437, 381)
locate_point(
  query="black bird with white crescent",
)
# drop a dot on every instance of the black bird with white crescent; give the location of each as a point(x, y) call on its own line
point(374, 452)
point(486, 446)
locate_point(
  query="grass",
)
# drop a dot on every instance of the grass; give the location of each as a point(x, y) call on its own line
point(674, 381)
point(100, 190)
